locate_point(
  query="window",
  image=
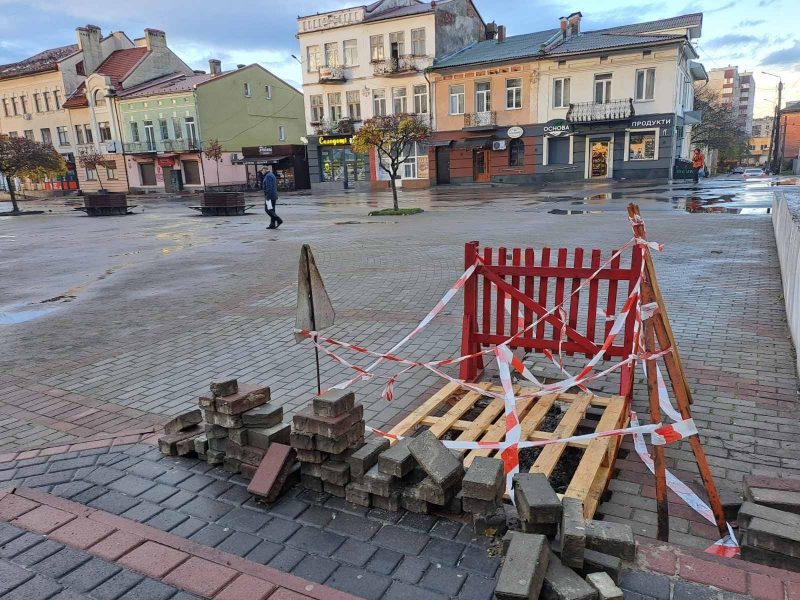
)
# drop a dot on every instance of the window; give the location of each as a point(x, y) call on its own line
point(334, 161)
point(47, 137)
point(483, 96)
point(642, 145)
point(134, 132)
point(399, 104)
point(314, 58)
point(602, 88)
point(513, 93)
point(105, 131)
point(376, 50)
point(191, 172)
point(149, 136)
point(418, 42)
point(91, 174)
point(191, 132)
point(332, 54)
point(379, 103)
point(421, 99)
point(397, 45)
point(247, 91)
point(176, 127)
point(28, 133)
point(148, 173)
point(354, 105)
point(558, 151)
point(111, 171)
point(46, 96)
point(410, 166)
point(282, 133)
point(268, 91)
point(80, 69)
point(63, 136)
point(23, 100)
point(13, 134)
point(36, 103)
point(57, 99)
point(317, 111)
point(335, 106)
point(5, 107)
point(87, 129)
point(645, 84)
point(14, 105)
point(350, 52)
point(516, 153)
point(456, 100)
point(679, 141)
point(162, 125)
point(561, 93)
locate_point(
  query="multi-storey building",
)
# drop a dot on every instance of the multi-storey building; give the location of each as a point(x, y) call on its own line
point(164, 129)
point(790, 136)
point(33, 91)
point(737, 91)
point(93, 110)
point(370, 60)
point(762, 127)
point(747, 98)
point(564, 104)
point(758, 151)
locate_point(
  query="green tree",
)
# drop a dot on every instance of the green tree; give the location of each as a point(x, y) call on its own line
point(393, 138)
point(22, 157)
point(213, 152)
point(718, 129)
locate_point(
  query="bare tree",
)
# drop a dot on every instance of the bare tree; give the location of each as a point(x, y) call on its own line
point(718, 130)
point(213, 152)
point(22, 157)
point(92, 159)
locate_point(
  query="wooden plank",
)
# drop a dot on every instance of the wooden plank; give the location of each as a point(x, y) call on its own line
point(458, 410)
point(558, 298)
point(574, 295)
point(529, 281)
point(513, 318)
point(486, 321)
point(550, 455)
point(431, 404)
point(611, 305)
point(530, 422)
point(591, 318)
point(543, 290)
point(497, 431)
point(500, 308)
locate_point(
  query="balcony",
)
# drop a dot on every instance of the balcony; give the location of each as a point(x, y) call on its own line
point(594, 112)
point(331, 75)
point(480, 121)
point(340, 127)
point(408, 64)
point(148, 147)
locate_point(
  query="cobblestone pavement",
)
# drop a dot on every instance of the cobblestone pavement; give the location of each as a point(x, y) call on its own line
point(120, 322)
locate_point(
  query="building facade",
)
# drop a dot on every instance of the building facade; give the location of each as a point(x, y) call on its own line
point(33, 93)
point(564, 104)
point(790, 136)
point(370, 60)
point(737, 90)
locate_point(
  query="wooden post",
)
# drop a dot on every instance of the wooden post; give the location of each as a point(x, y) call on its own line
point(662, 505)
point(469, 369)
point(680, 387)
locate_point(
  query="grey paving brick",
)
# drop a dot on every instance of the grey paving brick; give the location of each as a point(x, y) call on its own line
point(264, 552)
point(195, 482)
point(72, 463)
point(61, 563)
point(352, 526)
point(167, 520)
point(147, 469)
point(359, 582)
point(403, 591)
point(286, 559)
point(216, 488)
point(177, 500)
point(315, 568)
point(89, 494)
point(36, 588)
point(173, 477)
point(71, 489)
point(9, 532)
point(443, 579)
point(384, 516)
point(69, 595)
point(116, 586)
point(103, 475)
point(239, 543)
point(12, 575)
point(149, 589)
point(236, 494)
point(188, 527)
point(354, 553)
point(646, 583)
point(384, 561)
point(30, 471)
point(211, 535)
point(401, 540)
point(342, 505)
point(446, 529)
point(311, 539)
point(278, 530)
point(89, 575)
point(206, 508)
point(478, 560)
point(142, 512)
point(418, 522)
point(243, 519)
point(317, 516)
point(131, 485)
point(48, 479)
point(684, 590)
point(20, 544)
point(289, 508)
point(443, 551)
point(477, 588)
point(411, 569)
point(114, 502)
point(36, 553)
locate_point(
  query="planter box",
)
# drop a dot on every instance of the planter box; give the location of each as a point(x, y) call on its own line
point(222, 203)
point(105, 204)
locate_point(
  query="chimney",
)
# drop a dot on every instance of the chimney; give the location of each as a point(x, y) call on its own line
point(89, 43)
point(574, 23)
point(501, 33)
point(155, 39)
point(564, 23)
point(214, 66)
point(491, 30)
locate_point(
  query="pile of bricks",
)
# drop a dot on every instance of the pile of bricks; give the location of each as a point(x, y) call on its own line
point(482, 490)
point(769, 522)
point(559, 554)
point(324, 435)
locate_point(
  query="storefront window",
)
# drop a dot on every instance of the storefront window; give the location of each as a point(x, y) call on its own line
point(642, 145)
point(334, 162)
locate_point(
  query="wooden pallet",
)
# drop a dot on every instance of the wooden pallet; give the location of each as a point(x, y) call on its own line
point(444, 411)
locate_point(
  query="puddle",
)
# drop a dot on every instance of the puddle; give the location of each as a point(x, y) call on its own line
point(22, 316)
point(562, 211)
point(731, 210)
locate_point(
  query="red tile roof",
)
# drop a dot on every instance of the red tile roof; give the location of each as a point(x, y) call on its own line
point(117, 66)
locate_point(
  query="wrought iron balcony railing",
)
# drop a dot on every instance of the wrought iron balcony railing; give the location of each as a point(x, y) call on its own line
point(589, 112)
point(480, 120)
point(331, 75)
point(145, 147)
point(406, 64)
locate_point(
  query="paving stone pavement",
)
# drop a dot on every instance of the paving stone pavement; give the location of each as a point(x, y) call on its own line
point(171, 300)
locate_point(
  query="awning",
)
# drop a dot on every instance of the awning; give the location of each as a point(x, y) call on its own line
point(692, 117)
point(437, 143)
point(262, 160)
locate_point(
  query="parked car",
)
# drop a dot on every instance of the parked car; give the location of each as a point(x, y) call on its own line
point(737, 170)
point(753, 172)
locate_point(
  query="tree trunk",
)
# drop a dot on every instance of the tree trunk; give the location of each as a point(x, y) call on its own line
point(218, 173)
point(14, 205)
point(394, 190)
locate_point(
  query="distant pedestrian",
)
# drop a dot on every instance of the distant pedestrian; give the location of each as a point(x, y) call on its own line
point(698, 164)
point(270, 187)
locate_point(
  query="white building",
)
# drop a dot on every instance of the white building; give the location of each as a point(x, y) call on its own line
point(370, 60)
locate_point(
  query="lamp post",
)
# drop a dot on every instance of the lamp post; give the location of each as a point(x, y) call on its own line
point(774, 158)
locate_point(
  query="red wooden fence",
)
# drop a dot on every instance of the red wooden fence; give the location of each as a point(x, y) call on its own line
point(538, 286)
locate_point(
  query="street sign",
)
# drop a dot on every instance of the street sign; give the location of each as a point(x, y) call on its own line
point(314, 308)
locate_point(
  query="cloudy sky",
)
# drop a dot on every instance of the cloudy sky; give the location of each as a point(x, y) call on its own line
point(758, 35)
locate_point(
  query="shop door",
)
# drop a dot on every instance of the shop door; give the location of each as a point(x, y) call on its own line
point(599, 157)
point(442, 165)
point(480, 165)
point(169, 184)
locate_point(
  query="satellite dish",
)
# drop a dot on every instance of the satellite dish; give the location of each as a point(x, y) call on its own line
point(304, 139)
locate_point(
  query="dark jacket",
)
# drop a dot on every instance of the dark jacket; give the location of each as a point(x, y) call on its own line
point(270, 186)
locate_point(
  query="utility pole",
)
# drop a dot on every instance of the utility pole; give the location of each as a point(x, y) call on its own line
point(775, 139)
point(782, 146)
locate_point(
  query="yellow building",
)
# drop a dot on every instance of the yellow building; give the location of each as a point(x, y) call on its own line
point(759, 151)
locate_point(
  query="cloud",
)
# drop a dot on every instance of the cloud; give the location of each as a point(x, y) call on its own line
point(723, 7)
point(784, 56)
point(766, 2)
point(751, 22)
point(735, 39)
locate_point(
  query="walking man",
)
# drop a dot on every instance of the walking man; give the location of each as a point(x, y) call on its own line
point(270, 187)
point(698, 164)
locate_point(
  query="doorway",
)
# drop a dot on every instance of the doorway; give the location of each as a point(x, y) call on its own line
point(169, 183)
point(599, 159)
point(442, 166)
point(480, 165)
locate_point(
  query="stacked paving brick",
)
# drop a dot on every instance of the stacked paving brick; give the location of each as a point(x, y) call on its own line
point(324, 435)
point(584, 563)
point(769, 522)
point(482, 490)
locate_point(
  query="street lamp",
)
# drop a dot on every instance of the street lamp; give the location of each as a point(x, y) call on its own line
point(776, 159)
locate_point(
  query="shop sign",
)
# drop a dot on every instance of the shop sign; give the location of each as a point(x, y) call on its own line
point(515, 132)
point(265, 150)
point(651, 122)
point(341, 140)
point(557, 127)
point(166, 161)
